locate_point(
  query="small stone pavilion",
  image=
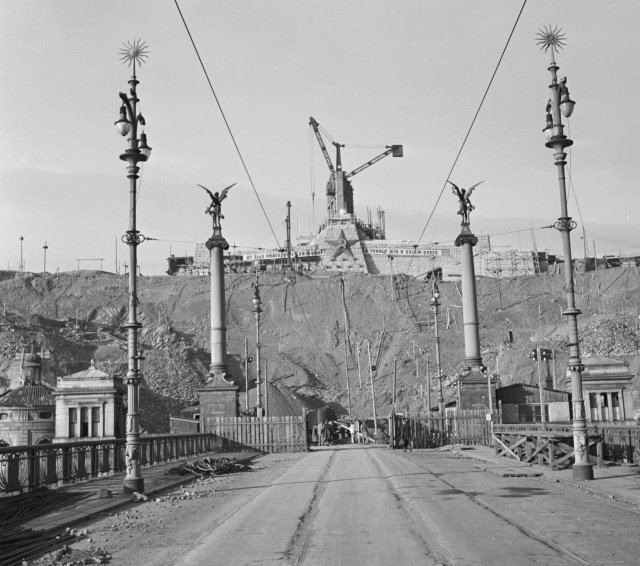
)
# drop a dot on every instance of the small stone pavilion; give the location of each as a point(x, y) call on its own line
point(27, 412)
point(606, 388)
point(89, 404)
point(27, 416)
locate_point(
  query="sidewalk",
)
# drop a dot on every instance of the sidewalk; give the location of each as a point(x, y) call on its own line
point(105, 494)
point(615, 482)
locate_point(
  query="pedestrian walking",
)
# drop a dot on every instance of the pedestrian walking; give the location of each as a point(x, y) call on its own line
point(405, 434)
point(352, 432)
point(328, 437)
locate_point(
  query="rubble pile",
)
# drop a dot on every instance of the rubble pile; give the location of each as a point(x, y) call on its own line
point(70, 555)
point(607, 338)
point(184, 495)
point(210, 466)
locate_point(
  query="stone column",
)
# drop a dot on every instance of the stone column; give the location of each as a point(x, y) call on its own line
point(472, 377)
point(466, 239)
point(216, 246)
point(219, 396)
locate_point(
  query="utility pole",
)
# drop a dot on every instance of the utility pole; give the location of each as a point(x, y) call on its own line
point(346, 337)
point(21, 269)
point(359, 373)
point(346, 370)
point(288, 242)
point(595, 261)
point(428, 386)
point(393, 286)
point(395, 375)
point(373, 395)
point(44, 267)
point(257, 310)
point(246, 375)
point(538, 357)
point(266, 389)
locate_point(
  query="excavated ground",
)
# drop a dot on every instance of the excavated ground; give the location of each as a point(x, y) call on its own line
point(79, 316)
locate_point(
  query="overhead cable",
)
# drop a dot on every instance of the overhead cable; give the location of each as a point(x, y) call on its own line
point(226, 122)
point(466, 137)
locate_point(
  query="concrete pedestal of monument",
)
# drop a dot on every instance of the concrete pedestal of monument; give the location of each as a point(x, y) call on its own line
point(218, 398)
point(477, 391)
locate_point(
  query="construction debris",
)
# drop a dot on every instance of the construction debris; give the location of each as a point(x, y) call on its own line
point(19, 544)
point(212, 466)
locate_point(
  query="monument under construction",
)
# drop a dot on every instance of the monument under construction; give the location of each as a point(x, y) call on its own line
point(346, 243)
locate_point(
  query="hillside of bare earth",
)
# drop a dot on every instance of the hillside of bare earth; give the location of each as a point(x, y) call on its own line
point(79, 316)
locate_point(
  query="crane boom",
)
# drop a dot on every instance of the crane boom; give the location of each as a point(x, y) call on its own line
point(395, 149)
point(314, 124)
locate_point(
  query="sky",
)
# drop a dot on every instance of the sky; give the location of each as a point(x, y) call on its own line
point(372, 73)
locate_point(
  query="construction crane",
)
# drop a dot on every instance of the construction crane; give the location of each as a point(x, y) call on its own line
point(339, 189)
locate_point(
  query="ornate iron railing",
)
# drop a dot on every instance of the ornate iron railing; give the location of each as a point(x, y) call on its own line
point(26, 468)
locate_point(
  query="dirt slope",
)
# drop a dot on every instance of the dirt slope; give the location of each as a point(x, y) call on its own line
point(79, 316)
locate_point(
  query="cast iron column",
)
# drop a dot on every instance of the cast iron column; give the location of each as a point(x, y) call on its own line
point(138, 151)
point(435, 303)
point(561, 104)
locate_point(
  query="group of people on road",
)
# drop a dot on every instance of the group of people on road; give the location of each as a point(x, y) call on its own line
point(322, 434)
point(327, 432)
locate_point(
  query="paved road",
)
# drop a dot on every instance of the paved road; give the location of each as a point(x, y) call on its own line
point(375, 506)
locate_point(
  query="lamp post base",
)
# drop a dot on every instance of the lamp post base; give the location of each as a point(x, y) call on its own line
point(582, 472)
point(129, 485)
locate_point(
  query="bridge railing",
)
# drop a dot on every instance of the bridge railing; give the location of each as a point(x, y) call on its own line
point(26, 468)
point(552, 444)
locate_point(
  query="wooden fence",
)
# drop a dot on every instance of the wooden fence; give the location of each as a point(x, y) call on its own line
point(430, 431)
point(265, 434)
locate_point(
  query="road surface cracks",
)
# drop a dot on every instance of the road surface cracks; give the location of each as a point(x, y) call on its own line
point(509, 520)
point(297, 547)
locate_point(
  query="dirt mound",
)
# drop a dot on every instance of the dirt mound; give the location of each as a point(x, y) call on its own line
point(79, 316)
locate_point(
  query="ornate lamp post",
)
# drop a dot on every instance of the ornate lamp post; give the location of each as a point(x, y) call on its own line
point(561, 105)
point(435, 303)
point(138, 151)
point(257, 309)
